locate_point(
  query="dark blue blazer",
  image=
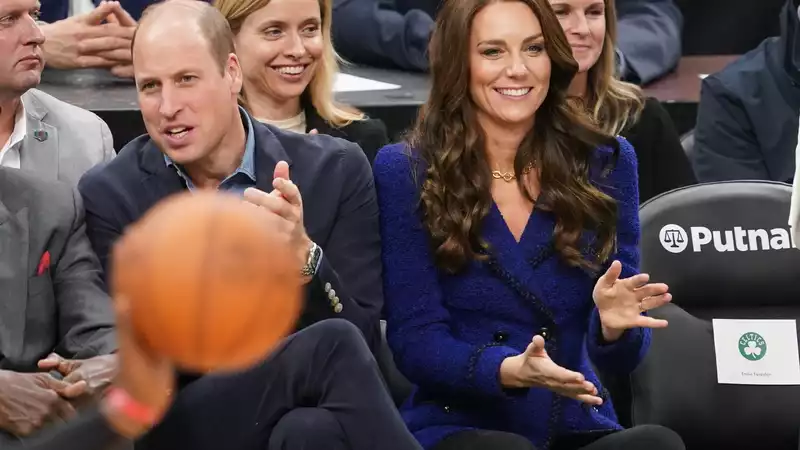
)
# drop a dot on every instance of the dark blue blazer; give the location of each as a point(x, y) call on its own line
point(450, 333)
point(340, 209)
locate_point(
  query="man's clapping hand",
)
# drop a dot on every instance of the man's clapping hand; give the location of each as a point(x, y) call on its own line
point(30, 400)
point(99, 38)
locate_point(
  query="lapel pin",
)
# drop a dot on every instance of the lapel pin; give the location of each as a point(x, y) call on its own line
point(40, 135)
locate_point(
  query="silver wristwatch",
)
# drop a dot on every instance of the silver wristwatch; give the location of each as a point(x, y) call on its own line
point(314, 255)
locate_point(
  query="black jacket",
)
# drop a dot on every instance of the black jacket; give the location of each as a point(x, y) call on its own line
point(369, 134)
point(663, 164)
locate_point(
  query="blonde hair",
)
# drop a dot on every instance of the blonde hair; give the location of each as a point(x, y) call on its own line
point(613, 103)
point(320, 90)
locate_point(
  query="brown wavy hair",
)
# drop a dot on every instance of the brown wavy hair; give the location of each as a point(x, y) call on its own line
point(456, 188)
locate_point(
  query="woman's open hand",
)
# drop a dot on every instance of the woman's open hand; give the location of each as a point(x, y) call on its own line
point(534, 368)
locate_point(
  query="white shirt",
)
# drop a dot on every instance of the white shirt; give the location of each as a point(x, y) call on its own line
point(77, 7)
point(794, 209)
point(9, 154)
point(296, 123)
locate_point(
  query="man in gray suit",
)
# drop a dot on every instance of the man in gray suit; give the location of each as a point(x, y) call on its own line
point(38, 132)
point(52, 302)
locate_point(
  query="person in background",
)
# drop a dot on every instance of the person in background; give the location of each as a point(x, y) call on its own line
point(366, 32)
point(100, 38)
point(648, 39)
point(38, 132)
point(140, 395)
point(619, 108)
point(748, 113)
point(54, 306)
point(289, 67)
point(510, 234)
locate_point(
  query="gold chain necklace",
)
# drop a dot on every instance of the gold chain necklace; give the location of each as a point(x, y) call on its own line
point(510, 176)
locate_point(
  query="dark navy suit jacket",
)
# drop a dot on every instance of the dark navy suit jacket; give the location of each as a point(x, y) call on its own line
point(340, 212)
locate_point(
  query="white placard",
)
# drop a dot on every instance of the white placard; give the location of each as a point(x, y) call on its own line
point(756, 352)
point(703, 76)
point(351, 83)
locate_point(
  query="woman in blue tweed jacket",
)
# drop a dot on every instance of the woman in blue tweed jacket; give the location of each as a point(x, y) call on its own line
point(510, 231)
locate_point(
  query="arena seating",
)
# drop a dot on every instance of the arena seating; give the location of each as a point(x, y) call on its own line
point(725, 250)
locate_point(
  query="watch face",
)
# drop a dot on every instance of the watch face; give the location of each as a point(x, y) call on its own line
point(313, 259)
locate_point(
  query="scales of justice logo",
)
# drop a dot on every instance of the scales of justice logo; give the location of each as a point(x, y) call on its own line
point(673, 238)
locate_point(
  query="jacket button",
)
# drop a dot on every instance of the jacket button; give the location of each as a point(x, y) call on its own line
point(545, 333)
point(500, 336)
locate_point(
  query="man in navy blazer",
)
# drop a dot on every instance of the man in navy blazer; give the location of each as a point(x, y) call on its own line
point(334, 178)
point(322, 187)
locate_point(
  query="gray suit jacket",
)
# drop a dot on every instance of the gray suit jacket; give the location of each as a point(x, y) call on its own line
point(62, 140)
point(63, 307)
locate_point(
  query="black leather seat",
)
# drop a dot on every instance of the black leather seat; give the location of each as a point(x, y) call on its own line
point(725, 251)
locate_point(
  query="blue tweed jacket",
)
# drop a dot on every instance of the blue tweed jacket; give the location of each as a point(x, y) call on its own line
point(449, 333)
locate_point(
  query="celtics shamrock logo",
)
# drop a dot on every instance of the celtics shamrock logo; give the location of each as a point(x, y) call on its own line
point(752, 346)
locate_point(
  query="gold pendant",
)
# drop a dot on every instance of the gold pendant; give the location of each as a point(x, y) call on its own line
point(506, 176)
point(510, 176)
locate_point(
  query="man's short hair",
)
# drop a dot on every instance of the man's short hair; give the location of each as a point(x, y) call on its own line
point(212, 24)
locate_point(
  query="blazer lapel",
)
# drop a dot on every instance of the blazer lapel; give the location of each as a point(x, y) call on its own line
point(161, 180)
point(40, 146)
point(268, 152)
point(14, 274)
point(518, 261)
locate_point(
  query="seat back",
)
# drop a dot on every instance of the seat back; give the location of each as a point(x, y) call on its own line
point(725, 251)
point(723, 245)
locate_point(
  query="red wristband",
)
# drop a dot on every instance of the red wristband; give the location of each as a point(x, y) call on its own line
point(119, 400)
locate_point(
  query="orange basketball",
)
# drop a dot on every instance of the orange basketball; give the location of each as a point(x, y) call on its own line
point(211, 283)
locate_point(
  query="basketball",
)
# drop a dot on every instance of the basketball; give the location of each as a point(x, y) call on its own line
point(211, 283)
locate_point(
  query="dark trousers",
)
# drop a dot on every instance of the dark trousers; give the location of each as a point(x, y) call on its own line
point(320, 390)
point(644, 437)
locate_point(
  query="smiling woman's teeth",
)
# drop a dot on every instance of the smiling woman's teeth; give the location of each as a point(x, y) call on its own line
point(514, 92)
point(293, 70)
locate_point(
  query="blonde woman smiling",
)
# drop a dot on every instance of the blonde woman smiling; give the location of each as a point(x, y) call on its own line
point(289, 67)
